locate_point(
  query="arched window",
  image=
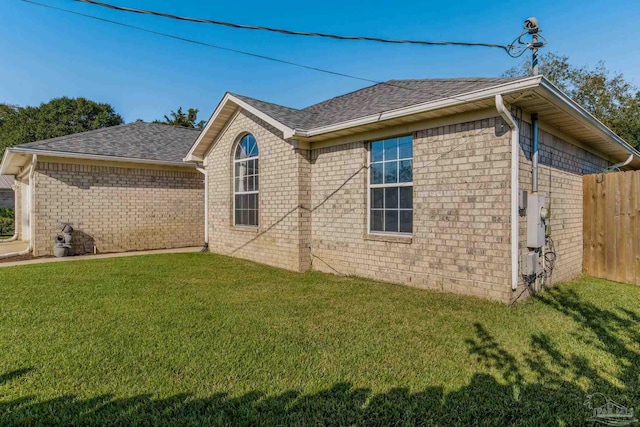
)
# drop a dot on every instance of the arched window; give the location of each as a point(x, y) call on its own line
point(245, 182)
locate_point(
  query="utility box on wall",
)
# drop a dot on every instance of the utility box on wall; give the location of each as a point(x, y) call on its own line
point(535, 224)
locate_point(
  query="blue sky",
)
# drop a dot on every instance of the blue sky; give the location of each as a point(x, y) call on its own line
point(46, 54)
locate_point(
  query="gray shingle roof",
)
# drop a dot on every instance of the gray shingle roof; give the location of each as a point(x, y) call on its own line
point(139, 140)
point(6, 182)
point(374, 99)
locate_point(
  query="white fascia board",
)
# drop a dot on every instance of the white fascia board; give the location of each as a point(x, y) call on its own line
point(190, 157)
point(464, 98)
point(5, 161)
point(586, 117)
point(287, 131)
point(82, 156)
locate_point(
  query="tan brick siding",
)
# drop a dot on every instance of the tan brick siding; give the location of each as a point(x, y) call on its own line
point(561, 166)
point(117, 208)
point(283, 224)
point(7, 199)
point(313, 206)
point(461, 220)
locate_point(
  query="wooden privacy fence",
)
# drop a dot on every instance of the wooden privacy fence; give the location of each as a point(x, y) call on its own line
point(611, 222)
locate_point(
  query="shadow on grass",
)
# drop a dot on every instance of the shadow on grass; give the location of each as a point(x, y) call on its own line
point(543, 387)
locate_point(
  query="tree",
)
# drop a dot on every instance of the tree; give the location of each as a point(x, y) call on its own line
point(179, 118)
point(58, 117)
point(608, 96)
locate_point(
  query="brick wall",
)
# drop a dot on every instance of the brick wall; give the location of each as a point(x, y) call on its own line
point(7, 198)
point(561, 166)
point(460, 239)
point(313, 206)
point(117, 208)
point(282, 237)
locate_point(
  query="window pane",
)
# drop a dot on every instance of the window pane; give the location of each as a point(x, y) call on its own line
point(390, 172)
point(245, 184)
point(391, 198)
point(405, 147)
point(390, 220)
point(256, 165)
point(391, 149)
point(238, 202)
point(252, 201)
point(406, 221)
point(238, 217)
point(257, 202)
point(406, 197)
point(376, 173)
point(377, 220)
point(257, 183)
point(377, 197)
point(252, 148)
point(376, 151)
point(237, 184)
point(252, 218)
point(406, 174)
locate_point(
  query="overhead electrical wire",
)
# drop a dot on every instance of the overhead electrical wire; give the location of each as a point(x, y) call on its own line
point(257, 55)
point(506, 48)
point(242, 52)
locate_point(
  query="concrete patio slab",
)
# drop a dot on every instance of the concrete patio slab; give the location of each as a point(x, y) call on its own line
point(10, 247)
point(100, 256)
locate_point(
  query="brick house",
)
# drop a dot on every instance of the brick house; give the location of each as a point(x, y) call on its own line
point(416, 182)
point(7, 197)
point(122, 188)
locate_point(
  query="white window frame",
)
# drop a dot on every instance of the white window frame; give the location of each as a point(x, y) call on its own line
point(239, 193)
point(370, 186)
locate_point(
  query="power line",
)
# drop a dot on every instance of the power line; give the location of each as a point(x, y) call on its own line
point(201, 43)
point(241, 52)
point(506, 48)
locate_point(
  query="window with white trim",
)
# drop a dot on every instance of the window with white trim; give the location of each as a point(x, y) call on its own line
point(391, 185)
point(245, 182)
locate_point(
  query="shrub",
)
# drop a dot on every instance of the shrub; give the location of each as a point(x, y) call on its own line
point(7, 213)
point(6, 226)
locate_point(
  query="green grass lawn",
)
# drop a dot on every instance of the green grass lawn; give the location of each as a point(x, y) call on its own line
point(200, 339)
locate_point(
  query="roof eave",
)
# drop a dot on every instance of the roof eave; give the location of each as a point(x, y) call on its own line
point(197, 150)
point(83, 156)
point(587, 118)
point(522, 84)
point(4, 166)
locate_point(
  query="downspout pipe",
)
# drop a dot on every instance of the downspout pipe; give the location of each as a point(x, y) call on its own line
point(27, 251)
point(536, 152)
point(515, 160)
point(203, 171)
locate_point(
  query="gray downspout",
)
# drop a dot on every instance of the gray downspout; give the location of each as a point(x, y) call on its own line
point(536, 152)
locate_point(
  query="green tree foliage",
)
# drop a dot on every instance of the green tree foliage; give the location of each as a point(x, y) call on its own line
point(606, 95)
point(58, 117)
point(180, 118)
